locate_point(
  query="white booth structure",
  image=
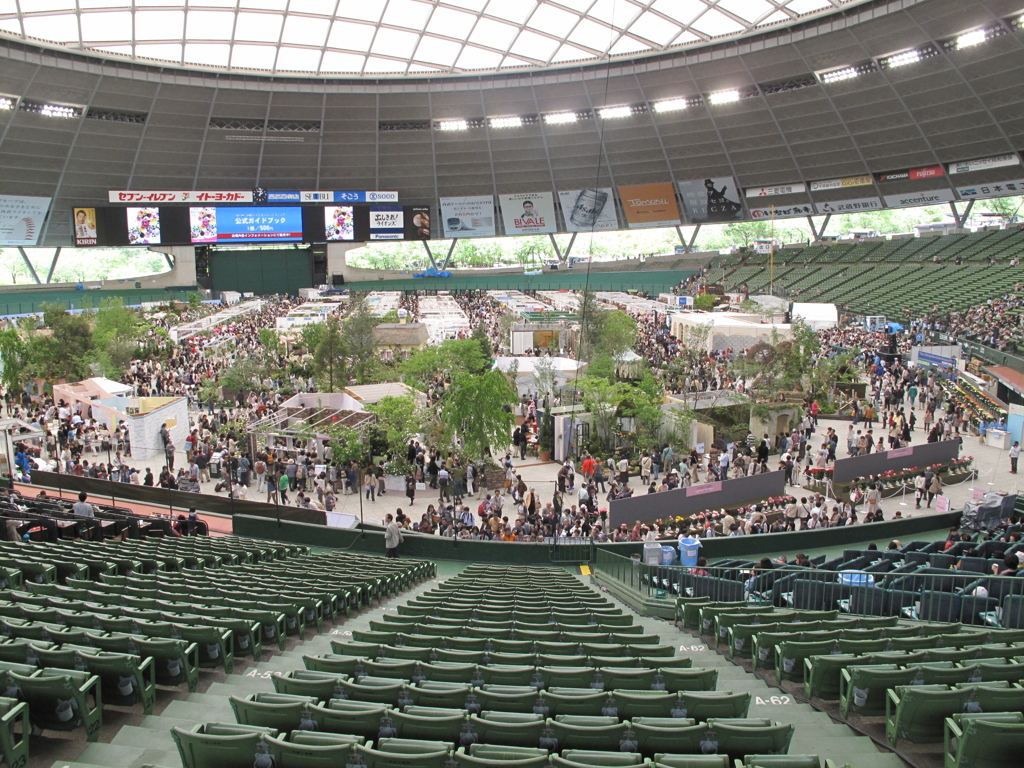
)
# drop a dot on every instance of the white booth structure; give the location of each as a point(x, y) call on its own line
point(818, 317)
point(110, 402)
point(565, 369)
point(718, 331)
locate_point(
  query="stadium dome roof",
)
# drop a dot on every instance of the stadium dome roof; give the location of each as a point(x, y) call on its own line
point(392, 38)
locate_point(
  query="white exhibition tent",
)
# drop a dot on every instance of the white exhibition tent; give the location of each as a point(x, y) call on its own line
point(819, 317)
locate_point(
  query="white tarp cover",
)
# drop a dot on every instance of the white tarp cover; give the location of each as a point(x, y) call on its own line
point(819, 317)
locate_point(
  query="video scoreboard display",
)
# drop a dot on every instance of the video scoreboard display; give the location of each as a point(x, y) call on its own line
point(224, 225)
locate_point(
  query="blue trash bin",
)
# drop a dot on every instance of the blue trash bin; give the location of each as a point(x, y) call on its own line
point(668, 555)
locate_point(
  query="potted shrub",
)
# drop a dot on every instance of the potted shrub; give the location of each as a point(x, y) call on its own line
point(546, 437)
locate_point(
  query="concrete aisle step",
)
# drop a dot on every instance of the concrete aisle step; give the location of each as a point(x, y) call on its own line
point(128, 757)
point(164, 723)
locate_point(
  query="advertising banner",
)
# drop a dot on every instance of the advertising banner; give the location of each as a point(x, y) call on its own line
point(849, 206)
point(387, 222)
point(649, 205)
point(528, 213)
point(588, 210)
point(849, 181)
point(283, 224)
point(776, 190)
point(999, 161)
point(711, 200)
point(417, 223)
point(21, 219)
point(468, 216)
point(912, 199)
point(998, 189)
point(143, 226)
point(910, 174)
point(85, 227)
point(781, 212)
point(238, 196)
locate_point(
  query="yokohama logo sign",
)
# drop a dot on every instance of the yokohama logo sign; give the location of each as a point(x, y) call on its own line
point(925, 172)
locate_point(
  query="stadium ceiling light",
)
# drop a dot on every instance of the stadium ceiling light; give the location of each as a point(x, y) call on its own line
point(56, 110)
point(511, 121)
point(452, 125)
point(724, 97)
point(5, 103)
point(967, 39)
point(902, 59)
point(671, 105)
point(611, 113)
point(560, 118)
point(838, 75)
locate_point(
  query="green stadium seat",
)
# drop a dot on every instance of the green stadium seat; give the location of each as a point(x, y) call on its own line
point(14, 732)
point(376, 690)
point(428, 693)
point(221, 745)
point(124, 679)
point(691, 761)
point(337, 664)
point(695, 679)
point(917, 712)
point(507, 698)
point(740, 736)
point(585, 702)
point(303, 682)
point(216, 645)
point(520, 729)
point(789, 657)
point(500, 756)
point(656, 734)
point(62, 702)
point(311, 749)
point(427, 723)
point(588, 732)
point(361, 718)
point(630, 704)
point(779, 761)
point(988, 740)
point(862, 688)
point(281, 711)
point(585, 758)
point(704, 705)
point(402, 753)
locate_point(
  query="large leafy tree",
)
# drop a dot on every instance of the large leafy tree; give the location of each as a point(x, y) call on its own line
point(330, 359)
point(13, 359)
point(361, 345)
point(477, 410)
point(450, 358)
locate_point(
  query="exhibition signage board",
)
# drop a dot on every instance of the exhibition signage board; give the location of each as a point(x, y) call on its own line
point(781, 212)
point(21, 219)
point(848, 181)
point(468, 216)
point(999, 161)
point(776, 190)
point(995, 189)
point(849, 206)
point(912, 199)
point(649, 205)
point(684, 502)
point(85, 227)
point(588, 210)
point(876, 463)
point(709, 200)
point(528, 213)
point(911, 174)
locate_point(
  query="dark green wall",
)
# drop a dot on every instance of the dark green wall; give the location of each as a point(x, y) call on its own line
point(262, 272)
point(654, 281)
point(417, 545)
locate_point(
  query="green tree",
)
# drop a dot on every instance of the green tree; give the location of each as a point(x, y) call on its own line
point(705, 302)
point(617, 333)
point(270, 340)
point(592, 317)
point(480, 337)
point(13, 351)
point(454, 357)
point(330, 359)
point(644, 401)
point(361, 344)
point(68, 349)
point(398, 418)
point(477, 410)
point(312, 335)
point(602, 398)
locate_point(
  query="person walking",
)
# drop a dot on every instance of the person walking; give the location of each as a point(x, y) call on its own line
point(392, 536)
point(934, 488)
point(410, 487)
point(283, 483)
point(1014, 455)
point(370, 485)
